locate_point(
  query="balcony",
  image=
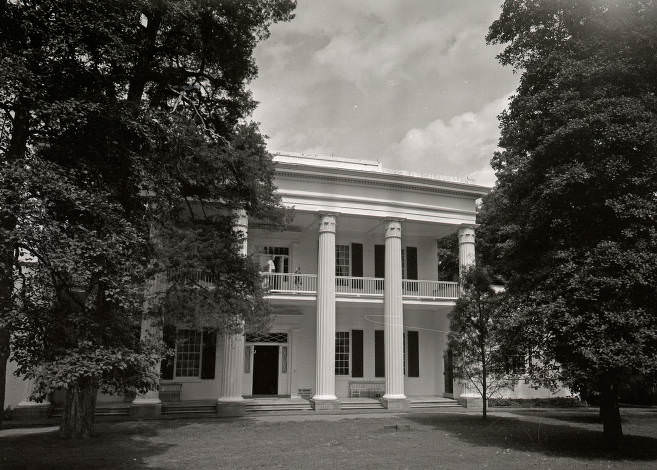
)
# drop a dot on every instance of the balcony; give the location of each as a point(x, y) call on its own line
point(362, 287)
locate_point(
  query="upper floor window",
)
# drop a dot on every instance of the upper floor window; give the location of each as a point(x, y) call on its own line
point(342, 264)
point(275, 259)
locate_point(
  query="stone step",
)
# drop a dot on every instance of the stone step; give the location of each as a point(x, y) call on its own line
point(252, 408)
point(362, 406)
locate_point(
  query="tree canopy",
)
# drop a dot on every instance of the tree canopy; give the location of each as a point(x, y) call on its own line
point(571, 221)
point(125, 153)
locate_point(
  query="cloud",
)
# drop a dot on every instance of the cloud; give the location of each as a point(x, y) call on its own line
point(462, 145)
point(351, 78)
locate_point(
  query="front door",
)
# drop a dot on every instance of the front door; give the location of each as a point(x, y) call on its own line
point(265, 370)
point(448, 371)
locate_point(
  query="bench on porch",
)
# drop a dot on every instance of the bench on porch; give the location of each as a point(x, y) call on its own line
point(372, 389)
point(170, 391)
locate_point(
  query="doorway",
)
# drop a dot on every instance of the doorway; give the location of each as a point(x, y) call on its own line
point(448, 372)
point(265, 370)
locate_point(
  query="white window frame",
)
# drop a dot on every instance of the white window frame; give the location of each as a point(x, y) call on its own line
point(271, 252)
point(182, 378)
point(346, 249)
point(348, 353)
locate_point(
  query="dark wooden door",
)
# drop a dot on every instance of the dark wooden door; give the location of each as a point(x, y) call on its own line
point(265, 370)
point(448, 371)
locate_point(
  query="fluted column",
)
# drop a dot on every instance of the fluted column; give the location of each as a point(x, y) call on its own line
point(393, 317)
point(466, 236)
point(230, 388)
point(325, 358)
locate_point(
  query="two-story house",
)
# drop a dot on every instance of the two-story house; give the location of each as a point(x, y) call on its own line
point(360, 317)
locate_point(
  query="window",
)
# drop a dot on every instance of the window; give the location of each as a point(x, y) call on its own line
point(188, 353)
point(280, 255)
point(283, 359)
point(342, 265)
point(342, 353)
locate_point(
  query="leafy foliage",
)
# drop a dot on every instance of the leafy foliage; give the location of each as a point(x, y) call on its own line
point(124, 152)
point(474, 337)
point(571, 222)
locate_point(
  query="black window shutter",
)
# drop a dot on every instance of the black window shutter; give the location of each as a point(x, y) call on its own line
point(379, 354)
point(411, 262)
point(357, 259)
point(413, 354)
point(209, 353)
point(169, 338)
point(356, 353)
point(379, 261)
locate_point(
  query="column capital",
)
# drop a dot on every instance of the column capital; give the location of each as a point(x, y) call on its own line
point(327, 223)
point(393, 228)
point(466, 233)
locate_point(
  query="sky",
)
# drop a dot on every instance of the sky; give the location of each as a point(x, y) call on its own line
point(410, 83)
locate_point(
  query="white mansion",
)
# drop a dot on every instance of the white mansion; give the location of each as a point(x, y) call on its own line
point(360, 317)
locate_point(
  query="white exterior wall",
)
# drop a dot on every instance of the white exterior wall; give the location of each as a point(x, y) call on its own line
point(15, 388)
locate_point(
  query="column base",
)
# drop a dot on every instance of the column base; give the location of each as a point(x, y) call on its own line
point(145, 408)
point(30, 410)
point(231, 408)
point(324, 404)
point(395, 403)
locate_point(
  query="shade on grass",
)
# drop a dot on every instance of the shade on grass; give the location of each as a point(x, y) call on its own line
point(518, 439)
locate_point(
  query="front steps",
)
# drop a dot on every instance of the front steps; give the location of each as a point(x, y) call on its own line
point(260, 406)
point(269, 406)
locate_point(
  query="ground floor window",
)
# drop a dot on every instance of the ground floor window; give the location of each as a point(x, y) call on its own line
point(188, 353)
point(342, 353)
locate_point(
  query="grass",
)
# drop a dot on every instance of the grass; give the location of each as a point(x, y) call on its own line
point(509, 439)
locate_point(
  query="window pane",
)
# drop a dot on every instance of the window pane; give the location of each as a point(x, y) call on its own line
point(342, 353)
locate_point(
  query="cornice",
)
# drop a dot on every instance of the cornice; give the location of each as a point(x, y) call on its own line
point(372, 201)
point(381, 180)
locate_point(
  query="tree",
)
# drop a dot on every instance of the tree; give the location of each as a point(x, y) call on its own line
point(473, 340)
point(448, 258)
point(571, 221)
point(118, 118)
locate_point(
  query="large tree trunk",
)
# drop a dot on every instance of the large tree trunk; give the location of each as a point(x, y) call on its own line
point(79, 410)
point(610, 414)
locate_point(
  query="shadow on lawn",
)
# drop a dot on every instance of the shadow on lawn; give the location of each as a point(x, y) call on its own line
point(535, 436)
point(122, 445)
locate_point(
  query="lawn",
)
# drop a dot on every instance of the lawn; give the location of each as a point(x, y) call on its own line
point(456, 439)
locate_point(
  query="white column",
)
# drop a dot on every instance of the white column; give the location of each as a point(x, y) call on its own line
point(393, 313)
point(325, 359)
point(150, 330)
point(466, 236)
point(230, 388)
